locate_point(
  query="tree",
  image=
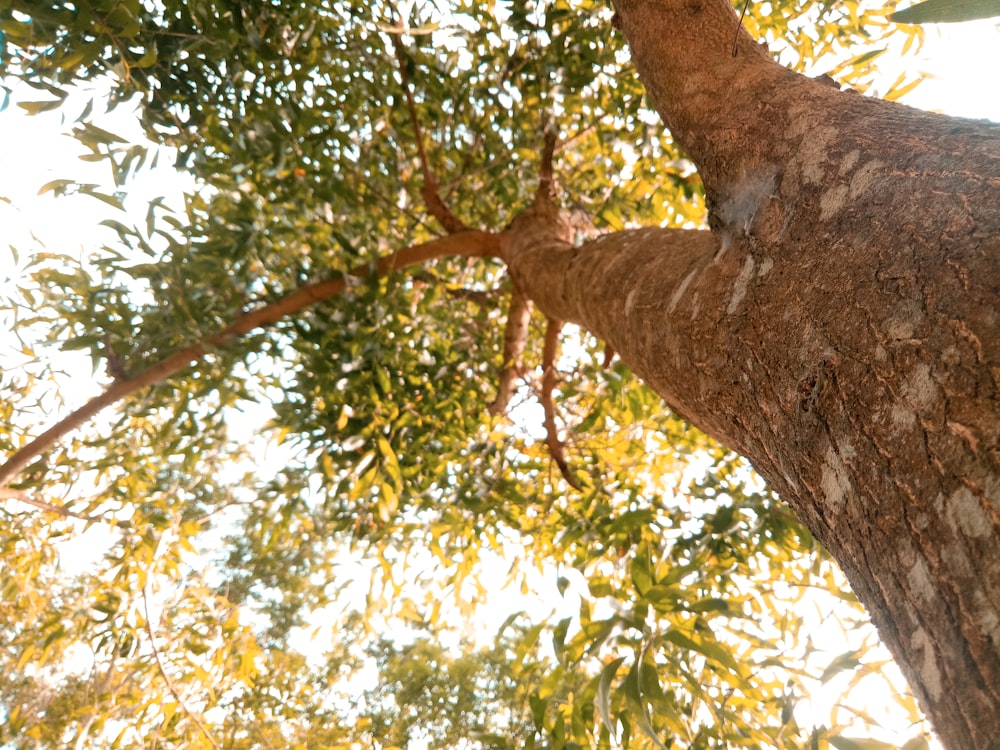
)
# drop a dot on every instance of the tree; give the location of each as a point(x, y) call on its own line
point(836, 326)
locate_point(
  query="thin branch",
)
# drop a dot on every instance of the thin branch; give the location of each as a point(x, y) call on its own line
point(25, 497)
point(466, 244)
point(470, 155)
point(549, 354)
point(609, 354)
point(566, 143)
point(514, 337)
point(546, 183)
point(483, 299)
point(166, 677)
point(429, 191)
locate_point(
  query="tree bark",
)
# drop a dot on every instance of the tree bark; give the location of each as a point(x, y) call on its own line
point(840, 327)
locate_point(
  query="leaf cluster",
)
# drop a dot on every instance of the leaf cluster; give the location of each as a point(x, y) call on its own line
point(342, 466)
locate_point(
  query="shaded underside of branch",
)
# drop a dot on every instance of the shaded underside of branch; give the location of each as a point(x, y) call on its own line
point(514, 338)
point(550, 376)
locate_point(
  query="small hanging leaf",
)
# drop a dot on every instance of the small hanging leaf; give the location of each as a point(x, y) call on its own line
point(33, 108)
point(58, 186)
point(848, 660)
point(848, 743)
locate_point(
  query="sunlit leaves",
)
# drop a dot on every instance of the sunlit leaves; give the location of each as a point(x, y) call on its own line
point(292, 541)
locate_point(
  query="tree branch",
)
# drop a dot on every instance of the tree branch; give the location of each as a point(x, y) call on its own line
point(437, 207)
point(514, 337)
point(549, 376)
point(465, 244)
point(546, 183)
point(26, 498)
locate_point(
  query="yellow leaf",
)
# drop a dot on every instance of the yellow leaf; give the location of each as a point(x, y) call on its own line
point(25, 657)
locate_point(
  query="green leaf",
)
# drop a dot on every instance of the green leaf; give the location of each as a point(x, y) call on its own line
point(34, 108)
point(711, 649)
point(112, 200)
point(849, 743)
point(603, 699)
point(947, 11)
point(849, 660)
point(640, 710)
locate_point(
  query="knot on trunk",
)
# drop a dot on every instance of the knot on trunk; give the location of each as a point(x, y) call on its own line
point(542, 225)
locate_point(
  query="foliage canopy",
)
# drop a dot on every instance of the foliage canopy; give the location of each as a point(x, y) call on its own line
point(329, 592)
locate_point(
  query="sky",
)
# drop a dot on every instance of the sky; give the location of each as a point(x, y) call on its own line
point(961, 62)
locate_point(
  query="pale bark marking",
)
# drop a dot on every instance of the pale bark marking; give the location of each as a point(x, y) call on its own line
point(832, 202)
point(630, 302)
point(846, 449)
point(849, 161)
point(919, 388)
point(675, 298)
point(899, 330)
point(957, 560)
point(966, 514)
point(930, 674)
point(813, 154)
point(902, 418)
point(986, 615)
point(919, 579)
point(741, 285)
point(725, 242)
point(864, 179)
point(765, 265)
point(835, 482)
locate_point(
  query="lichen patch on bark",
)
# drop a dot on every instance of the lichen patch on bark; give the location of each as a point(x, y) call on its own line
point(835, 482)
point(967, 516)
point(920, 582)
point(930, 673)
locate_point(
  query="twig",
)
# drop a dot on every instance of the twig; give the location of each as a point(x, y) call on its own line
point(736, 38)
point(115, 365)
point(549, 353)
point(565, 143)
point(24, 497)
point(514, 337)
point(482, 299)
point(465, 244)
point(429, 191)
point(166, 677)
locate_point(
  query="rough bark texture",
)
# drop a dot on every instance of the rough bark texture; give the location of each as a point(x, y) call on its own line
point(840, 327)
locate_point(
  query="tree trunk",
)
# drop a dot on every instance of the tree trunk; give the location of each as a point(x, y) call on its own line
point(840, 327)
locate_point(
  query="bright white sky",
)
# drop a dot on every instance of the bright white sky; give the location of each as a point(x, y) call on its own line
point(961, 60)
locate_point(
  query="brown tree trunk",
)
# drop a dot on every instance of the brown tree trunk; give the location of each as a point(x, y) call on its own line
point(840, 327)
